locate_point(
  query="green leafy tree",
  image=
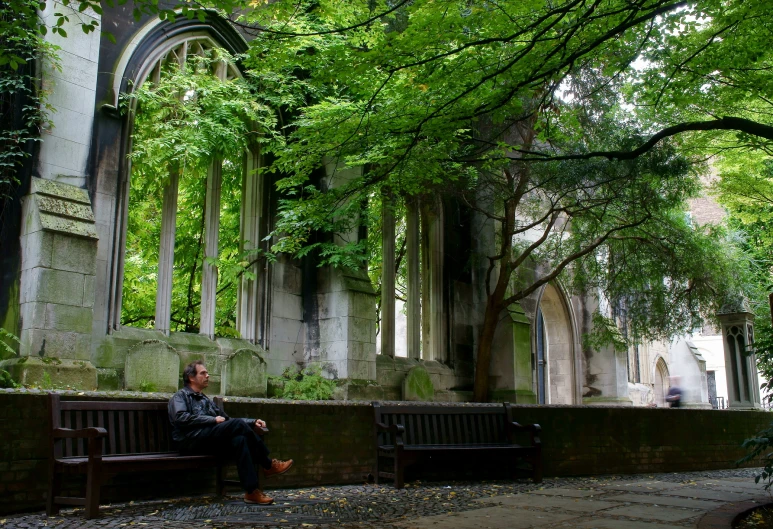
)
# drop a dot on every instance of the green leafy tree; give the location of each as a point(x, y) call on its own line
point(523, 111)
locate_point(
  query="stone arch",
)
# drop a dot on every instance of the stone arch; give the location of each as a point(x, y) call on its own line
point(660, 382)
point(156, 44)
point(562, 373)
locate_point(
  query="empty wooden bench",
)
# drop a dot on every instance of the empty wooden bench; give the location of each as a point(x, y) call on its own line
point(406, 433)
point(102, 438)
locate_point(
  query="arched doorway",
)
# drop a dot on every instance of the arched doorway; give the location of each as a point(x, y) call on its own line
point(661, 382)
point(555, 368)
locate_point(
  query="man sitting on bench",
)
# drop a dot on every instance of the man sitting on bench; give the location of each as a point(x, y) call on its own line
point(200, 427)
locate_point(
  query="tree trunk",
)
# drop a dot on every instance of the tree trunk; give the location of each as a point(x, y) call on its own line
point(485, 341)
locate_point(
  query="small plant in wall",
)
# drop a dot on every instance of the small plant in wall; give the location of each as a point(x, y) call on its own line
point(6, 381)
point(306, 383)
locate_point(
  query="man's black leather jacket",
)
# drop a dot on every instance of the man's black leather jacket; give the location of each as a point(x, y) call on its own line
point(190, 412)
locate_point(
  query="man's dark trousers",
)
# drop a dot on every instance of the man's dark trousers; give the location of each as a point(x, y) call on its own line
point(232, 439)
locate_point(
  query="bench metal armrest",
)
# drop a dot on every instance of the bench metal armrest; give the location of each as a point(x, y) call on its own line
point(534, 429)
point(395, 429)
point(83, 433)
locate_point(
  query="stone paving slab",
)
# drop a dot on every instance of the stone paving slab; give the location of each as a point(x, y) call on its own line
point(644, 486)
point(704, 494)
point(654, 512)
point(571, 493)
point(552, 502)
point(741, 486)
point(489, 518)
point(619, 524)
point(687, 503)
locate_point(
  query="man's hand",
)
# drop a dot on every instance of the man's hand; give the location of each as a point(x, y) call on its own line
point(260, 422)
point(219, 419)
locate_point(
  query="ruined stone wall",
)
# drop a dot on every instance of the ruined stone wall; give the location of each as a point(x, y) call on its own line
point(331, 443)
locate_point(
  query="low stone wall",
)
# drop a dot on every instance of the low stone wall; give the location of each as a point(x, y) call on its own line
point(331, 443)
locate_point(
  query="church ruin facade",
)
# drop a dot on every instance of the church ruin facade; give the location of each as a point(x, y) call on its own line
point(65, 262)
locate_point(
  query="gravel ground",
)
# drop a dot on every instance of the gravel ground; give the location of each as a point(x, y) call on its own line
point(352, 506)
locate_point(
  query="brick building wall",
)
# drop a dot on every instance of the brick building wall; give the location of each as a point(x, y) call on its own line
point(331, 443)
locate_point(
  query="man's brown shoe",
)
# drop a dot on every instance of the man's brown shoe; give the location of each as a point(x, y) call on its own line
point(277, 467)
point(258, 497)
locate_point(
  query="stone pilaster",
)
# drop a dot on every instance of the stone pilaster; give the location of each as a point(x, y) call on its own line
point(59, 243)
point(64, 150)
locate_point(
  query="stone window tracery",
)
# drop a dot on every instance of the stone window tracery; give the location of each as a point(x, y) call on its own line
point(221, 206)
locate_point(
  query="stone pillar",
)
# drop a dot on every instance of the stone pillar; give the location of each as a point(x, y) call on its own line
point(346, 307)
point(387, 276)
point(59, 245)
point(64, 150)
point(433, 316)
point(166, 253)
point(737, 323)
point(211, 233)
point(248, 303)
point(413, 308)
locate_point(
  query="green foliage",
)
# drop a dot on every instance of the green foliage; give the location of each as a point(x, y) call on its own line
point(6, 381)
point(604, 332)
point(23, 108)
point(306, 384)
point(147, 386)
point(759, 447)
point(5, 338)
point(182, 125)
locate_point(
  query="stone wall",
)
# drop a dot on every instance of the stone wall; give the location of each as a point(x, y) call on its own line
point(331, 444)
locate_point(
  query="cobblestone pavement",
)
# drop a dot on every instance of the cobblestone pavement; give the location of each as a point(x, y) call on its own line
point(655, 501)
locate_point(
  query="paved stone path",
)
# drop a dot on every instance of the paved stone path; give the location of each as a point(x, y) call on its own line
point(656, 501)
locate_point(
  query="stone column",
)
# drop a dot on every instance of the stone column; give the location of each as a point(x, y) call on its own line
point(166, 253)
point(59, 245)
point(248, 303)
point(433, 320)
point(387, 275)
point(346, 307)
point(412, 240)
point(737, 323)
point(211, 235)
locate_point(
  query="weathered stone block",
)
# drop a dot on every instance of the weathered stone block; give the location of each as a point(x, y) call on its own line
point(152, 366)
point(88, 291)
point(37, 249)
point(55, 344)
point(49, 187)
point(33, 315)
point(245, 375)
point(74, 254)
point(52, 286)
point(52, 373)
point(109, 380)
point(418, 386)
point(68, 318)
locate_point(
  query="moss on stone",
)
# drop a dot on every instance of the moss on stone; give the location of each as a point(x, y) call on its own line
point(418, 386)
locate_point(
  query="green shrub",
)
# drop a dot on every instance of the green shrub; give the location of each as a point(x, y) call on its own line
point(306, 384)
point(6, 381)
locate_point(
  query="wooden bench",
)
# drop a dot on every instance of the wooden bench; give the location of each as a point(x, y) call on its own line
point(101, 438)
point(406, 433)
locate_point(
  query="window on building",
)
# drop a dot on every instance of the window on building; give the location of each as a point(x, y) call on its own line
point(193, 207)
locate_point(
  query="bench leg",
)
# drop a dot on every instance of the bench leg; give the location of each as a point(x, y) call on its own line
point(92, 495)
point(399, 472)
point(54, 487)
point(220, 484)
point(536, 462)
